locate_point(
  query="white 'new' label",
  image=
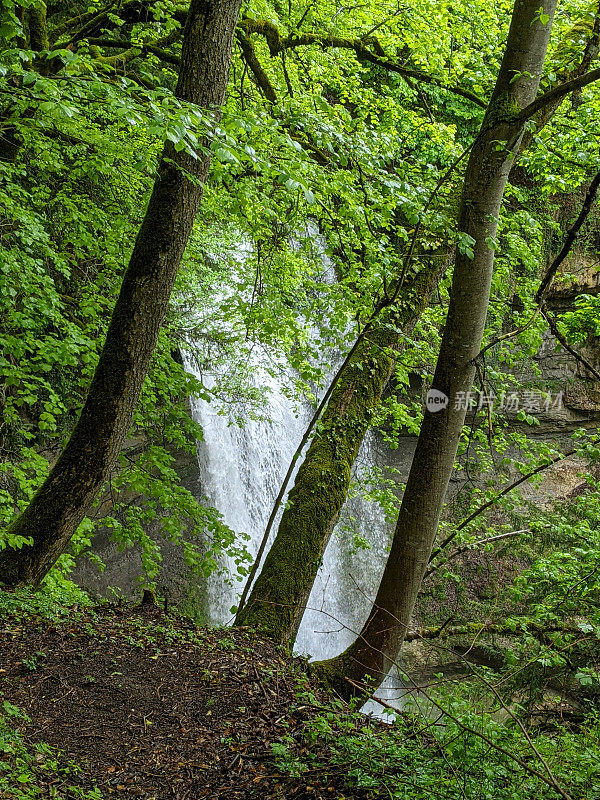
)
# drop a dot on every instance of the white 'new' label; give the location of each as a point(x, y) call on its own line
point(436, 400)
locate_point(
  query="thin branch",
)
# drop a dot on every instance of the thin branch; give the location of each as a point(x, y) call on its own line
point(557, 93)
point(277, 43)
point(488, 629)
point(474, 546)
point(569, 239)
point(523, 764)
point(561, 339)
point(548, 278)
point(514, 717)
point(169, 58)
point(484, 507)
point(260, 76)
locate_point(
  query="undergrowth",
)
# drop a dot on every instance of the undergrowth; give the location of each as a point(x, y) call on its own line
point(468, 754)
point(25, 767)
point(454, 747)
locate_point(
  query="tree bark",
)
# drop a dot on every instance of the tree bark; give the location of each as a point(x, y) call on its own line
point(279, 596)
point(56, 510)
point(378, 645)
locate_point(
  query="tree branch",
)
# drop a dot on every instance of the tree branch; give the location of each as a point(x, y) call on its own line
point(548, 278)
point(255, 67)
point(569, 239)
point(549, 781)
point(277, 44)
point(558, 93)
point(141, 49)
point(497, 629)
point(472, 546)
point(490, 503)
point(561, 339)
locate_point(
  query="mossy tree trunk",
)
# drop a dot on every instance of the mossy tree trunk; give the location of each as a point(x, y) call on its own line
point(492, 156)
point(279, 596)
point(56, 510)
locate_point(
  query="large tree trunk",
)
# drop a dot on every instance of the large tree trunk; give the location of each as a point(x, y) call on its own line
point(64, 498)
point(378, 645)
point(279, 596)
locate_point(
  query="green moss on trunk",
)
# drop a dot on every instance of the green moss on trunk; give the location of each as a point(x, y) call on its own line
point(278, 599)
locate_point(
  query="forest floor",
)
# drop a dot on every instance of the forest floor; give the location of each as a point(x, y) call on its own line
point(150, 706)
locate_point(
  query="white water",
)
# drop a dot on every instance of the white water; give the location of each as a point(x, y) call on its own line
point(241, 470)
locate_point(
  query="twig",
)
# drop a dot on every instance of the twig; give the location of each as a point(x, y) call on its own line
point(495, 499)
point(473, 546)
point(548, 278)
point(514, 717)
point(561, 339)
point(531, 770)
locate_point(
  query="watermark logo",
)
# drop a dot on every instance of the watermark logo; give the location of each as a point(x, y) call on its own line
point(525, 402)
point(529, 402)
point(436, 400)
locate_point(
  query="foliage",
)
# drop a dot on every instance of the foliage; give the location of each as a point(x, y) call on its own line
point(24, 765)
point(310, 210)
point(452, 751)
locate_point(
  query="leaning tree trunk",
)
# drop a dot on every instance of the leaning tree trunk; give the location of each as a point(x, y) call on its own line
point(279, 596)
point(378, 645)
point(56, 510)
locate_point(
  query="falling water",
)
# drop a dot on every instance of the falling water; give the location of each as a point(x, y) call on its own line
point(241, 470)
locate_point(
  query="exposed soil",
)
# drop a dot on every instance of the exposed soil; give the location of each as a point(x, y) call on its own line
point(152, 707)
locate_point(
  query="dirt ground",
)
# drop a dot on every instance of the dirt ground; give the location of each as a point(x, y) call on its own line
point(152, 707)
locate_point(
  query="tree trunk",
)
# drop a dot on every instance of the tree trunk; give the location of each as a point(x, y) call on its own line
point(279, 596)
point(55, 512)
point(378, 645)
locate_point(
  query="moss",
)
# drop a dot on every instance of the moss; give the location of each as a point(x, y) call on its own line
point(38, 31)
point(281, 591)
point(194, 604)
point(504, 109)
point(316, 499)
point(268, 30)
point(331, 675)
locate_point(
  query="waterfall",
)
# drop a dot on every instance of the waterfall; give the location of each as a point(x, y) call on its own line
point(241, 468)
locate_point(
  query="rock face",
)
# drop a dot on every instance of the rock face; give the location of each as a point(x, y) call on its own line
point(123, 567)
point(579, 386)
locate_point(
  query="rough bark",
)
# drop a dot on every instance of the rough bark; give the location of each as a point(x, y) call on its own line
point(378, 645)
point(279, 596)
point(38, 28)
point(62, 501)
